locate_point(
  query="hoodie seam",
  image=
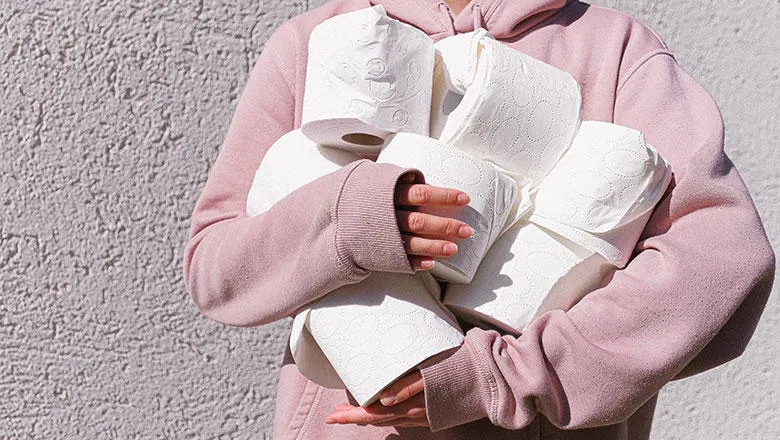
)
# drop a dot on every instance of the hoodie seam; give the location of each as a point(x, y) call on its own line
point(638, 65)
point(281, 67)
point(310, 414)
point(489, 13)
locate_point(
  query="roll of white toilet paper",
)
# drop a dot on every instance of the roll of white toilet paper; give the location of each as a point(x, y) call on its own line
point(291, 162)
point(367, 335)
point(367, 76)
point(453, 73)
point(492, 196)
point(602, 192)
point(528, 271)
point(516, 111)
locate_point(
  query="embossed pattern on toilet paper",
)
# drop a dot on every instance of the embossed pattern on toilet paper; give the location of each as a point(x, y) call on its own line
point(366, 73)
point(492, 196)
point(518, 112)
point(521, 269)
point(608, 180)
point(375, 331)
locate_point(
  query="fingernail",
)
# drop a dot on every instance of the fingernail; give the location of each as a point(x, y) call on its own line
point(450, 248)
point(464, 231)
point(463, 199)
point(387, 400)
point(427, 264)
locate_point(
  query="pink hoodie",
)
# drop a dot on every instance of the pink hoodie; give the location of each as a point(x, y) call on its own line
point(688, 301)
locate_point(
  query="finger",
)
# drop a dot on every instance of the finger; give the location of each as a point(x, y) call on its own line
point(426, 247)
point(422, 263)
point(425, 195)
point(359, 415)
point(412, 409)
point(402, 389)
point(403, 423)
point(432, 226)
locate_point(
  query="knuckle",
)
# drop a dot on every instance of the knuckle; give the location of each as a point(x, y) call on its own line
point(452, 197)
point(416, 222)
point(419, 193)
point(451, 228)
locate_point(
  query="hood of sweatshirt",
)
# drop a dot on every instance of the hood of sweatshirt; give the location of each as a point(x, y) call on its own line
point(504, 19)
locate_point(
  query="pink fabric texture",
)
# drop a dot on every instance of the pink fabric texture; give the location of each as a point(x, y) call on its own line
point(688, 301)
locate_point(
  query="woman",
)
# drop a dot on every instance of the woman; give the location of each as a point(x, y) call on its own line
point(688, 301)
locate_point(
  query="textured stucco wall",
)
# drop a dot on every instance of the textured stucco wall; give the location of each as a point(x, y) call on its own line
point(111, 113)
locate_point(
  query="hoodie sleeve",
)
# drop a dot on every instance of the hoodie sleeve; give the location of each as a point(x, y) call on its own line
point(688, 301)
point(334, 231)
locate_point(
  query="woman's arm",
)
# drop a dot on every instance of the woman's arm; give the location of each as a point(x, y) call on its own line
point(331, 232)
point(334, 231)
point(704, 254)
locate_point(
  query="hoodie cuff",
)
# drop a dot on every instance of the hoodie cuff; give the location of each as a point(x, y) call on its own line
point(367, 234)
point(457, 389)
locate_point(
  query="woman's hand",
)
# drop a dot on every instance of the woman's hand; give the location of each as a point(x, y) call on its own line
point(401, 404)
point(428, 236)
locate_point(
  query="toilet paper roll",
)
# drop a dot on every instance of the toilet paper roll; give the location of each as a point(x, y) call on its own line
point(367, 76)
point(291, 162)
point(602, 192)
point(492, 196)
point(528, 271)
point(460, 56)
point(453, 71)
point(516, 112)
point(367, 335)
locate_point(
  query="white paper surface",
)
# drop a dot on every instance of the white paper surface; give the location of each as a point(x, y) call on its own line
point(492, 196)
point(291, 162)
point(372, 333)
point(527, 272)
point(516, 112)
point(367, 76)
point(602, 192)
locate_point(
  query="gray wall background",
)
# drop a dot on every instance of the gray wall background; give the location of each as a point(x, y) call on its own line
point(111, 113)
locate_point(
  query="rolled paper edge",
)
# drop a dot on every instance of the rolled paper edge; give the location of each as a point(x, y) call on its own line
point(616, 245)
point(306, 352)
